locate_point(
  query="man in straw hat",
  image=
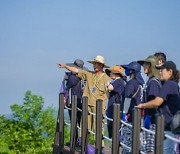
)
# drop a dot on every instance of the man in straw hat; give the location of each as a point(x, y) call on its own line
point(95, 86)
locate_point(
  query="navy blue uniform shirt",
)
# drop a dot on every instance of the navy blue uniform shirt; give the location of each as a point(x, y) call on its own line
point(115, 96)
point(130, 89)
point(170, 94)
point(152, 91)
point(74, 82)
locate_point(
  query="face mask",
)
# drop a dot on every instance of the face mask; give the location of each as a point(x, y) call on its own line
point(127, 72)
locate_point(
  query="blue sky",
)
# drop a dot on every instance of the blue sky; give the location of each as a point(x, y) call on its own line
point(36, 34)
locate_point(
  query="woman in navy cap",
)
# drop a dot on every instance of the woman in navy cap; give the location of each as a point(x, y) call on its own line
point(167, 100)
point(133, 97)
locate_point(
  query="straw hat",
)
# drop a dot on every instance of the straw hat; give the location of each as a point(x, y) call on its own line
point(99, 59)
point(115, 69)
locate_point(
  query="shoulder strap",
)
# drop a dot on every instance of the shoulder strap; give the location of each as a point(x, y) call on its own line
point(136, 91)
point(155, 79)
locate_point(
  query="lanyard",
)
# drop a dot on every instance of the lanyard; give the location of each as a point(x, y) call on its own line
point(95, 86)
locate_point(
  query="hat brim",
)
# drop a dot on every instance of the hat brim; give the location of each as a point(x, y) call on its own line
point(108, 71)
point(141, 62)
point(127, 67)
point(73, 65)
point(159, 66)
point(93, 61)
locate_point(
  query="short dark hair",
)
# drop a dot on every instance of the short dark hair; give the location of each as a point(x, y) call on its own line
point(161, 56)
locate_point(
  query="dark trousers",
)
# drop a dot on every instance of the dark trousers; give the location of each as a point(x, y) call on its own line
point(78, 121)
point(110, 128)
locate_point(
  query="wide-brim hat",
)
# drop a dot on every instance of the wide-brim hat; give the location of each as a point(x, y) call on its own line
point(78, 63)
point(99, 59)
point(153, 60)
point(115, 69)
point(150, 59)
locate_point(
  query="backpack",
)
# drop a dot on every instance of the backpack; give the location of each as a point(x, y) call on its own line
point(64, 90)
point(67, 91)
point(175, 123)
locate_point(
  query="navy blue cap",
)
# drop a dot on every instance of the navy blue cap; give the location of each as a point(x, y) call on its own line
point(168, 65)
point(133, 66)
point(137, 69)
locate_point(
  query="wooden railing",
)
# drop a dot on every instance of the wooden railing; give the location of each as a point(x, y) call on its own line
point(117, 123)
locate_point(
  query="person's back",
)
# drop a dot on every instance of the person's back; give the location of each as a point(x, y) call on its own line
point(74, 83)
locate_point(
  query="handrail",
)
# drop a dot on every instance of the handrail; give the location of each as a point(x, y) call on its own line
point(159, 139)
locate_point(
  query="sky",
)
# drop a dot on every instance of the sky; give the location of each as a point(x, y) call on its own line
point(37, 34)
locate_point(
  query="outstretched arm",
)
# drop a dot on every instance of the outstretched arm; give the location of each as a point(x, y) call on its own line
point(70, 68)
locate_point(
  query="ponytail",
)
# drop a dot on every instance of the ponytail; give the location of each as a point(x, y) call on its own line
point(176, 76)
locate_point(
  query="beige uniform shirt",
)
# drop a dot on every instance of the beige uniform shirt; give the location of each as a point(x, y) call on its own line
point(95, 86)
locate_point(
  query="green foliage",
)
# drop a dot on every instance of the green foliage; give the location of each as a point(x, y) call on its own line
point(32, 128)
point(66, 134)
point(91, 139)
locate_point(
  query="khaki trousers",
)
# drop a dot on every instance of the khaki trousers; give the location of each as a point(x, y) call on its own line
point(92, 120)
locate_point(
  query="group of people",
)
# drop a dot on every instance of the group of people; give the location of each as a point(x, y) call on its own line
point(124, 84)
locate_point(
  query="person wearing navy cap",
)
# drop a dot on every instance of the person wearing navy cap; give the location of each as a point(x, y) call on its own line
point(133, 97)
point(167, 100)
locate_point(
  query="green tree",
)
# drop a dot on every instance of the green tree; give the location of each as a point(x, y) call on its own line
point(32, 128)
